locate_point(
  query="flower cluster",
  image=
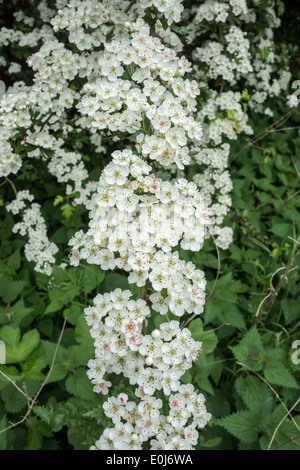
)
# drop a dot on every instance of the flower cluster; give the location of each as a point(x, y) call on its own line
point(38, 247)
point(136, 221)
point(171, 9)
point(153, 361)
point(137, 424)
point(108, 74)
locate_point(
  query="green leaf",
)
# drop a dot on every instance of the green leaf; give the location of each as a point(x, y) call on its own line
point(67, 210)
point(226, 312)
point(93, 277)
point(3, 435)
point(277, 374)
point(254, 393)
point(14, 401)
point(14, 261)
point(242, 424)
point(9, 290)
point(58, 200)
point(114, 281)
point(290, 309)
point(80, 385)
point(208, 338)
point(213, 442)
point(250, 350)
point(282, 230)
point(16, 350)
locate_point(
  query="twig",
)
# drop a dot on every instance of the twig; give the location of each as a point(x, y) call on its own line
point(274, 291)
point(279, 424)
point(7, 180)
point(14, 384)
point(129, 6)
point(264, 133)
point(293, 195)
point(296, 168)
point(271, 290)
point(34, 400)
point(210, 331)
point(287, 442)
point(273, 390)
point(296, 241)
point(218, 272)
point(125, 11)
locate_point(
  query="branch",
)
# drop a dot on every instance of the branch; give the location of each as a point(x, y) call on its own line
point(273, 390)
point(34, 400)
point(279, 424)
point(274, 291)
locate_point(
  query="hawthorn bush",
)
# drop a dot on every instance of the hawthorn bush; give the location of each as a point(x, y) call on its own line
point(149, 197)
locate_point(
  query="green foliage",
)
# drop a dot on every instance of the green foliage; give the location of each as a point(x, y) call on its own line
point(254, 381)
point(247, 329)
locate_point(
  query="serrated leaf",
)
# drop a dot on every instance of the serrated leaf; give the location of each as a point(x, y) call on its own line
point(250, 350)
point(14, 261)
point(57, 200)
point(277, 374)
point(80, 385)
point(67, 210)
point(232, 315)
point(290, 309)
point(9, 290)
point(282, 230)
point(254, 393)
point(14, 401)
point(242, 424)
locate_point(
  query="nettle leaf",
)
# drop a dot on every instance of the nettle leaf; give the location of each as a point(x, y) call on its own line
point(290, 309)
point(34, 364)
point(250, 350)
point(14, 261)
point(9, 290)
point(254, 393)
point(14, 401)
point(277, 374)
point(233, 316)
point(282, 230)
point(243, 425)
point(226, 312)
point(11, 372)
